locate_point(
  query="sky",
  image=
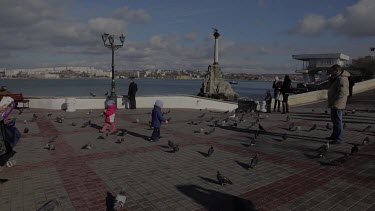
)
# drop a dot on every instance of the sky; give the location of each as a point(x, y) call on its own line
point(257, 36)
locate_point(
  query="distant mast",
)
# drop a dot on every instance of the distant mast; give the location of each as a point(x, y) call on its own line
point(216, 51)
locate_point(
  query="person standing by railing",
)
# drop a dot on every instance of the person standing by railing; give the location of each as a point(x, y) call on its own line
point(285, 88)
point(277, 93)
point(133, 88)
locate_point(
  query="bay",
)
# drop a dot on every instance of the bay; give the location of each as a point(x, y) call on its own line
point(82, 87)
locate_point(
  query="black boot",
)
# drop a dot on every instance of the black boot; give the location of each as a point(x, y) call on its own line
point(283, 109)
point(287, 107)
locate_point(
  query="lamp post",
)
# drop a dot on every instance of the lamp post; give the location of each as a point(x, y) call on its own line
point(111, 45)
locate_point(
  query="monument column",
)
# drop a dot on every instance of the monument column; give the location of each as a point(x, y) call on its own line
point(216, 53)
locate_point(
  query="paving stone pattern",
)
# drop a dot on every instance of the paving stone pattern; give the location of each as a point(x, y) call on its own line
point(287, 177)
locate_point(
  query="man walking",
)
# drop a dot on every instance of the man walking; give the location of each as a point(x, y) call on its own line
point(337, 97)
point(131, 93)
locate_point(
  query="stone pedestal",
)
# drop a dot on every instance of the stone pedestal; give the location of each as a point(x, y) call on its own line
point(214, 86)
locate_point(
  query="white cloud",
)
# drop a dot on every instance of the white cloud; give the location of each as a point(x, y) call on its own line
point(138, 16)
point(357, 20)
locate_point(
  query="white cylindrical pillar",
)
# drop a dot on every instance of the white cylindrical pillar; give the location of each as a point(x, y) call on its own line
point(216, 56)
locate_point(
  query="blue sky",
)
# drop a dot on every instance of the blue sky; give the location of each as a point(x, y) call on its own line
point(257, 36)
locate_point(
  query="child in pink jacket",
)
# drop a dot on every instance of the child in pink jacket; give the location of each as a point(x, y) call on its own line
point(109, 113)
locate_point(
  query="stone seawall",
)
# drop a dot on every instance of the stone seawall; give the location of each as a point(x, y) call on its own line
point(181, 101)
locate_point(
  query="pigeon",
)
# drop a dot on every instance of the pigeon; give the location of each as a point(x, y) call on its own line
point(354, 150)
point(88, 113)
point(261, 128)
point(235, 124)
point(101, 137)
point(169, 111)
point(223, 123)
point(284, 136)
point(26, 130)
point(226, 112)
point(170, 144)
point(136, 120)
point(20, 112)
point(323, 150)
point(86, 124)
point(312, 110)
point(201, 116)
point(51, 205)
point(25, 121)
point(123, 133)
point(92, 94)
point(257, 121)
point(328, 126)
point(368, 128)
point(252, 124)
point(119, 201)
point(50, 147)
point(222, 179)
point(288, 118)
point(254, 161)
point(326, 112)
point(256, 134)
point(119, 141)
point(87, 146)
point(175, 148)
point(313, 127)
point(233, 116)
point(74, 124)
point(106, 94)
point(252, 142)
point(291, 126)
point(49, 114)
point(169, 119)
point(353, 111)
point(59, 119)
point(210, 151)
point(366, 141)
point(341, 160)
point(34, 118)
point(53, 139)
point(211, 119)
point(210, 132)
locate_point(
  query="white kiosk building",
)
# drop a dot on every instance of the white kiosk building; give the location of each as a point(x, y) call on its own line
point(316, 67)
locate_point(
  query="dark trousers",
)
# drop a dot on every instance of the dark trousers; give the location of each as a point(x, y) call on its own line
point(277, 102)
point(350, 91)
point(132, 102)
point(156, 133)
point(285, 103)
point(338, 131)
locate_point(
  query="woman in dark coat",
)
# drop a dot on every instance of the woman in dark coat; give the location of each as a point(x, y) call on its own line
point(285, 88)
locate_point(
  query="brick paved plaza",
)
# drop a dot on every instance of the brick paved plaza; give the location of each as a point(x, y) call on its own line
point(288, 176)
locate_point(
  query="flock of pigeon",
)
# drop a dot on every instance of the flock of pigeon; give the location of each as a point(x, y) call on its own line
point(234, 120)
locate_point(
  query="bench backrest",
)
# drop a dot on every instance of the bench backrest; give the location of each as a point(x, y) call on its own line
point(16, 97)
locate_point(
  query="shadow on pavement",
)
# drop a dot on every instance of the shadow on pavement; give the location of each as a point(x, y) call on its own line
point(138, 135)
point(243, 165)
point(214, 200)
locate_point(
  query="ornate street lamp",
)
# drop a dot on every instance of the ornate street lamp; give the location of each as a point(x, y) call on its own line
point(111, 45)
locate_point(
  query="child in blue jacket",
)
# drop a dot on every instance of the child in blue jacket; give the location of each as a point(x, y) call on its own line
point(157, 119)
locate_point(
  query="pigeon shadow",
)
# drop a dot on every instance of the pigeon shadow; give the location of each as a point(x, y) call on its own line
point(2, 181)
point(327, 163)
point(95, 126)
point(277, 139)
point(163, 146)
point(110, 201)
point(245, 145)
point(203, 154)
point(214, 200)
point(310, 156)
point(169, 151)
point(210, 180)
point(243, 165)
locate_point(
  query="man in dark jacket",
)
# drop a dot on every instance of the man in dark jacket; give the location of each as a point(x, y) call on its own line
point(131, 93)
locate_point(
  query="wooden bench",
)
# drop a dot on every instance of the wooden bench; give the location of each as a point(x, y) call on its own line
point(18, 98)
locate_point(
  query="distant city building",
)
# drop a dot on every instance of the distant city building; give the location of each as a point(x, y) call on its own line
point(57, 72)
point(318, 65)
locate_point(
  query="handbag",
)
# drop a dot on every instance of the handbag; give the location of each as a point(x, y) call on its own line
point(9, 136)
point(280, 97)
